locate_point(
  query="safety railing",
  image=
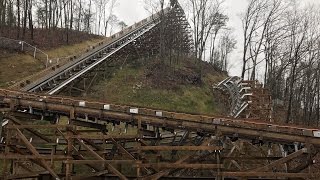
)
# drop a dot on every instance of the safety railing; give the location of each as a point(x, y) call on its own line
point(23, 46)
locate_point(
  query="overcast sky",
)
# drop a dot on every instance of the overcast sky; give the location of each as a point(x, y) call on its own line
point(131, 11)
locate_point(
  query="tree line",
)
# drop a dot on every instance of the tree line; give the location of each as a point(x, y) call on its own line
point(92, 16)
point(282, 39)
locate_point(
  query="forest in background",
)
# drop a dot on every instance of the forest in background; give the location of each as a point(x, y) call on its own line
point(57, 20)
point(282, 40)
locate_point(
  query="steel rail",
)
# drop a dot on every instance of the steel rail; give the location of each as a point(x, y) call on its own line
point(63, 84)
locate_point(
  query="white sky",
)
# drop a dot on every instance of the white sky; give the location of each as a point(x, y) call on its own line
point(131, 11)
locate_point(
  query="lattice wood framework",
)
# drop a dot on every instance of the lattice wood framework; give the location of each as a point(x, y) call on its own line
point(260, 105)
point(73, 139)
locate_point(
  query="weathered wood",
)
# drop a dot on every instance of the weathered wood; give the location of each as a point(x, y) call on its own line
point(36, 153)
point(109, 166)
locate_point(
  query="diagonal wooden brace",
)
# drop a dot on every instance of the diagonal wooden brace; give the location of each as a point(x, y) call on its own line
point(109, 166)
point(36, 153)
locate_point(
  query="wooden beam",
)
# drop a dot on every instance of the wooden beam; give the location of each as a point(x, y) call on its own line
point(23, 176)
point(167, 171)
point(103, 137)
point(180, 148)
point(282, 160)
point(38, 126)
point(36, 153)
point(182, 166)
point(41, 136)
point(90, 175)
point(26, 157)
point(109, 166)
point(99, 161)
point(268, 174)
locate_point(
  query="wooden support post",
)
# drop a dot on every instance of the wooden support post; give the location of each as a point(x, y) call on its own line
point(139, 149)
point(6, 151)
point(69, 155)
point(219, 177)
point(1, 121)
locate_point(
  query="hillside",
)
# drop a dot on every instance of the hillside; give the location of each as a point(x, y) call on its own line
point(17, 65)
point(155, 84)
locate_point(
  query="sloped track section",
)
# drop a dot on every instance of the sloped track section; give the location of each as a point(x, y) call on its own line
point(140, 37)
point(54, 81)
point(248, 98)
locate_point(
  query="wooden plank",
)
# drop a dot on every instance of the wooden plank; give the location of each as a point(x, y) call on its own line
point(36, 153)
point(267, 174)
point(99, 161)
point(182, 166)
point(26, 157)
point(180, 148)
point(109, 166)
point(281, 161)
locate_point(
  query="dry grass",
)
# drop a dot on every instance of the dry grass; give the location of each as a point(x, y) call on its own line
point(15, 66)
point(131, 85)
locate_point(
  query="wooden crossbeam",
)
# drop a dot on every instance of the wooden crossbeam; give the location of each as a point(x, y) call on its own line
point(41, 136)
point(109, 166)
point(36, 153)
point(281, 161)
point(23, 176)
point(180, 148)
point(47, 126)
point(103, 137)
point(26, 157)
point(183, 166)
point(99, 161)
point(267, 174)
point(166, 172)
point(90, 175)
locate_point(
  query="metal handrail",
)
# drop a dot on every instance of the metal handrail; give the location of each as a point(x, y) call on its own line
point(22, 45)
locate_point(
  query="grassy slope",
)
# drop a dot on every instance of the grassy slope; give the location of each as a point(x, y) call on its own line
point(131, 86)
point(15, 66)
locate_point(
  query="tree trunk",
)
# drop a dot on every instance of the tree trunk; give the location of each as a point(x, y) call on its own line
point(18, 20)
point(30, 20)
point(25, 19)
point(71, 14)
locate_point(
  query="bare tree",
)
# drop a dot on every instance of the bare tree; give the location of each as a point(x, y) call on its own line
point(205, 16)
point(286, 37)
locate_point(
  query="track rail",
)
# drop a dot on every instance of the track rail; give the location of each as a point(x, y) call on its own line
point(99, 112)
